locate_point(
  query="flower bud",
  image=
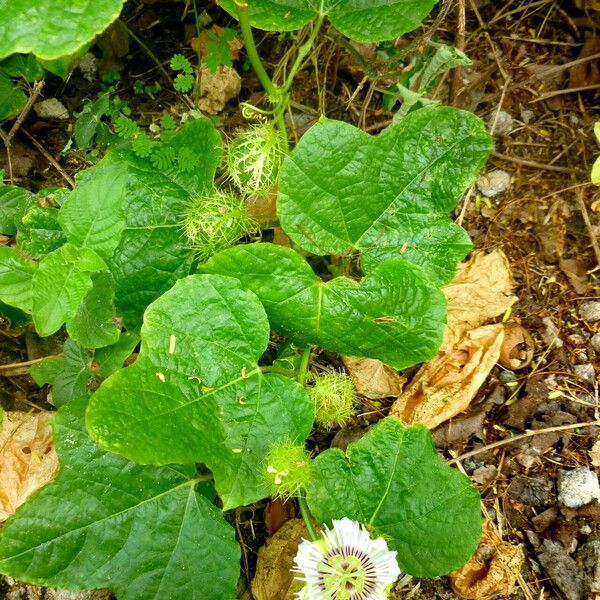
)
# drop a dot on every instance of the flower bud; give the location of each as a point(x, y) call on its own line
point(334, 397)
point(214, 222)
point(288, 469)
point(253, 158)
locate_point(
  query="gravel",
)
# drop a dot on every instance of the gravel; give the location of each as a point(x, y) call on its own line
point(585, 372)
point(578, 487)
point(493, 183)
point(596, 342)
point(590, 311)
point(51, 109)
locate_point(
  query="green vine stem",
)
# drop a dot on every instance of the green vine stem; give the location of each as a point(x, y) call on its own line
point(307, 517)
point(303, 369)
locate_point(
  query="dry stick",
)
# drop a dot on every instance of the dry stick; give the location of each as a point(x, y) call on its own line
point(50, 159)
point(583, 88)
point(459, 43)
point(521, 436)
point(7, 137)
point(588, 224)
point(24, 365)
point(559, 68)
point(532, 163)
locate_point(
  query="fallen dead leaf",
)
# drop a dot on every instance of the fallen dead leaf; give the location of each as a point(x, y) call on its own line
point(445, 386)
point(218, 89)
point(576, 273)
point(27, 458)
point(372, 378)
point(481, 290)
point(277, 513)
point(493, 569)
point(517, 348)
point(274, 578)
point(595, 454)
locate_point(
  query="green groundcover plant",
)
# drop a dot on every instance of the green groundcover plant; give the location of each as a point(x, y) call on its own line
point(150, 253)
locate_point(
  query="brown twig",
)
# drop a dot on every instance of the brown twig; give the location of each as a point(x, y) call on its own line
point(22, 368)
point(50, 159)
point(8, 137)
point(459, 43)
point(521, 436)
point(583, 88)
point(531, 163)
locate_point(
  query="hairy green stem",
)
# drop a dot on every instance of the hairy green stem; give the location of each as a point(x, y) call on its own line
point(307, 517)
point(302, 53)
point(273, 92)
point(286, 372)
point(303, 369)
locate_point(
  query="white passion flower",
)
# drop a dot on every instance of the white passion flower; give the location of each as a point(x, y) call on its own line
point(346, 564)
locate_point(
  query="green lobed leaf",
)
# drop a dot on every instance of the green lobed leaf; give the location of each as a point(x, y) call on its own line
point(393, 480)
point(16, 275)
point(195, 392)
point(360, 20)
point(12, 97)
point(93, 325)
point(22, 65)
point(60, 283)
point(153, 253)
point(12, 199)
point(92, 216)
point(52, 28)
point(395, 314)
point(144, 532)
point(386, 196)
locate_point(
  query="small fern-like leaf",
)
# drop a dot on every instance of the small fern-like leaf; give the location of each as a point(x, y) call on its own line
point(184, 82)
point(186, 160)
point(163, 157)
point(143, 145)
point(125, 128)
point(168, 122)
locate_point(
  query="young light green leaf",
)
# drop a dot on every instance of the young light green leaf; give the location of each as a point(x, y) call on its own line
point(93, 325)
point(61, 282)
point(195, 392)
point(152, 253)
point(12, 200)
point(37, 26)
point(393, 480)
point(16, 274)
point(386, 196)
point(360, 20)
point(92, 215)
point(395, 314)
point(144, 532)
point(38, 230)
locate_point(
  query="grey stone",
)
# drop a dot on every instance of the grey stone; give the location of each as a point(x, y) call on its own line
point(507, 376)
point(578, 487)
point(562, 570)
point(501, 122)
point(581, 356)
point(585, 372)
point(51, 109)
point(533, 491)
point(588, 556)
point(88, 65)
point(596, 342)
point(527, 115)
point(590, 310)
point(493, 183)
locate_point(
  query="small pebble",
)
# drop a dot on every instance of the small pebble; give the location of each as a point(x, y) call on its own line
point(581, 356)
point(585, 372)
point(502, 124)
point(578, 487)
point(507, 376)
point(575, 338)
point(88, 65)
point(51, 109)
point(596, 342)
point(527, 115)
point(493, 183)
point(590, 311)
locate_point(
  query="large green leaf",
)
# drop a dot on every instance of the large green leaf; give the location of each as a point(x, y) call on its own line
point(153, 253)
point(393, 481)
point(361, 20)
point(12, 97)
point(16, 274)
point(92, 215)
point(38, 230)
point(395, 314)
point(60, 283)
point(12, 199)
point(385, 196)
point(195, 393)
point(53, 28)
point(144, 532)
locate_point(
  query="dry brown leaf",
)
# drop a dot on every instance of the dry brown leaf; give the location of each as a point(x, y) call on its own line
point(493, 569)
point(372, 378)
point(262, 207)
point(27, 458)
point(445, 386)
point(481, 290)
point(218, 89)
point(595, 454)
point(274, 578)
point(576, 273)
point(517, 348)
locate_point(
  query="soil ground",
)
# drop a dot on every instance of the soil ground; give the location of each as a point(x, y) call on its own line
point(537, 62)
